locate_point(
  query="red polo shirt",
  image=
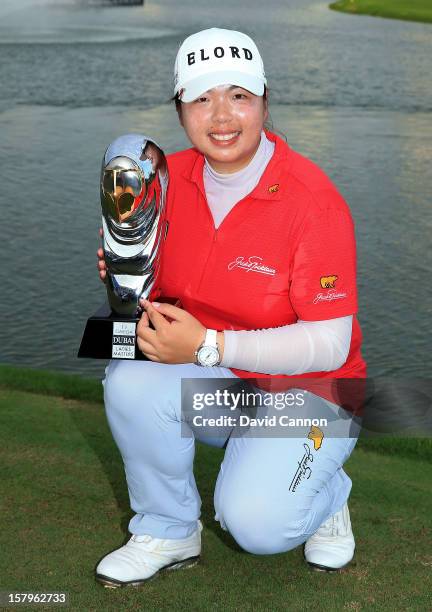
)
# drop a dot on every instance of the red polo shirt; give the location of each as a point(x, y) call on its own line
point(284, 252)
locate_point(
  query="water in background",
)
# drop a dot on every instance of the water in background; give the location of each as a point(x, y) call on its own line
point(352, 93)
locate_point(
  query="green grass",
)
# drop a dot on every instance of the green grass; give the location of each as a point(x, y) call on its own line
point(64, 504)
point(409, 10)
point(51, 383)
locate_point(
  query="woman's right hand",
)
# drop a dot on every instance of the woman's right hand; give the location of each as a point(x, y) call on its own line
point(101, 261)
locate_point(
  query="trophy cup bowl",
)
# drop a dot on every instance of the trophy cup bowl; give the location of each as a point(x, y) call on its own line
point(134, 180)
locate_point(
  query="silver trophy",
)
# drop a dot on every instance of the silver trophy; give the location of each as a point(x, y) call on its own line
point(134, 180)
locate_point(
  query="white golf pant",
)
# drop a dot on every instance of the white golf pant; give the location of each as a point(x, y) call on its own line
point(272, 493)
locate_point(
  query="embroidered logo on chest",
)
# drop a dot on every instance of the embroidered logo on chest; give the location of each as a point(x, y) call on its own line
point(254, 263)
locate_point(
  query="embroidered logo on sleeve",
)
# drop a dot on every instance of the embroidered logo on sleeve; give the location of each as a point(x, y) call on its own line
point(331, 295)
point(329, 282)
point(273, 188)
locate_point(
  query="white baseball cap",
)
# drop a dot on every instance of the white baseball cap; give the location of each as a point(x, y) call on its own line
point(217, 57)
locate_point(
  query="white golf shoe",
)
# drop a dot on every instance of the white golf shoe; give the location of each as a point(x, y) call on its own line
point(144, 557)
point(332, 547)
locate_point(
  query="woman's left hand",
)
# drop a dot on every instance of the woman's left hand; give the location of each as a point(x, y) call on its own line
point(171, 341)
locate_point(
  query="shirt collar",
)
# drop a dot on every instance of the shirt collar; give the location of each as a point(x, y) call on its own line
point(271, 184)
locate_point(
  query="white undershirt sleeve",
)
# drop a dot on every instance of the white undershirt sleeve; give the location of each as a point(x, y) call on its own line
point(305, 346)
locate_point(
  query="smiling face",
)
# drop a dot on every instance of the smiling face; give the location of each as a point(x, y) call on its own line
point(225, 125)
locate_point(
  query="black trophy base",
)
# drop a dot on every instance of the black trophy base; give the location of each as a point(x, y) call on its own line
point(110, 336)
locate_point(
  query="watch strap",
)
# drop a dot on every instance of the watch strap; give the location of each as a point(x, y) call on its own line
point(210, 338)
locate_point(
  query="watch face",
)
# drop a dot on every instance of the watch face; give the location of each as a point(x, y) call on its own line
point(208, 356)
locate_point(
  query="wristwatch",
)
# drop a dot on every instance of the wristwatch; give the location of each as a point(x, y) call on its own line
point(207, 354)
